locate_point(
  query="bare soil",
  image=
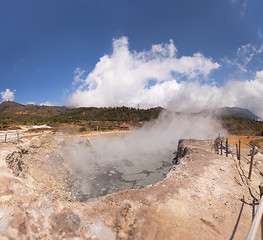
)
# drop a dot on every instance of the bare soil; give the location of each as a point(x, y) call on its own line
point(201, 198)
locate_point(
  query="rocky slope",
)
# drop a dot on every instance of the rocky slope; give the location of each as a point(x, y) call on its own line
point(199, 199)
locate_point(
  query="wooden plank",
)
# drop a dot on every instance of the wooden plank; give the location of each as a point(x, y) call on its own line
point(257, 219)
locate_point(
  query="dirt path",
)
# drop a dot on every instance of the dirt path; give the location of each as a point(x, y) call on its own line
point(201, 198)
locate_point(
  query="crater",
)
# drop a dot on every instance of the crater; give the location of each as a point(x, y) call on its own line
point(80, 169)
point(100, 168)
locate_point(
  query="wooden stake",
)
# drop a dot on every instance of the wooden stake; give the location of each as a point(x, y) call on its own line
point(251, 163)
point(5, 137)
point(239, 149)
point(221, 147)
point(226, 147)
point(17, 137)
point(261, 194)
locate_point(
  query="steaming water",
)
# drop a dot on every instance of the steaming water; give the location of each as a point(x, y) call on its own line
point(97, 176)
point(135, 160)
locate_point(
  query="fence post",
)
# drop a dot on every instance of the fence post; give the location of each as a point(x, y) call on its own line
point(239, 150)
point(17, 137)
point(5, 137)
point(226, 147)
point(221, 147)
point(251, 163)
point(261, 194)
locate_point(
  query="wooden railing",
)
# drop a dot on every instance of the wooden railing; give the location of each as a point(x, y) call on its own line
point(257, 219)
point(221, 145)
point(5, 137)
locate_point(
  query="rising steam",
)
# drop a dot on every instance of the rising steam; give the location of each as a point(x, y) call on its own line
point(131, 157)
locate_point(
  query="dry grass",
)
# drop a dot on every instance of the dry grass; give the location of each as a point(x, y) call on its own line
point(257, 142)
point(251, 140)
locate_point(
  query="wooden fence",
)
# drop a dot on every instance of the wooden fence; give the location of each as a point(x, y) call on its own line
point(258, 217)
point(9, 137)
point(220, 146)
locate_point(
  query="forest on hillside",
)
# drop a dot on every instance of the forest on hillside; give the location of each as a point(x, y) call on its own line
point(77, 115)
point(90, 118)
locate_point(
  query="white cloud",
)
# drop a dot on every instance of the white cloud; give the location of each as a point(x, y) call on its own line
point(125, 77)
point(246, 94)
point(244, 56)
point(260, 33)
point(195, 97)
point(159, 78)
point(31, 103)
point(242, 6)
point(78, 75)
point(8, 95)
point(47, 103)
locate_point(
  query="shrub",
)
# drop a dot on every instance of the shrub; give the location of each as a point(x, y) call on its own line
point(82, 129)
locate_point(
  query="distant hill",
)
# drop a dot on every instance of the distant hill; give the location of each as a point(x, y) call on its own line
point(235, 120)
point(12, 112)
point(10, 107)
point(232, 112)
point(237, 112)
point(238, 121)
point(5, 106)
point(159, 108)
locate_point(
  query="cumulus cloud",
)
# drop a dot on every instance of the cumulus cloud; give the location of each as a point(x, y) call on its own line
point(131, 78)
point(245, 94)
point(47, 103)
point(8, 95)
point(159, 77)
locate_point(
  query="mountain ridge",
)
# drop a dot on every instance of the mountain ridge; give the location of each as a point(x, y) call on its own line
point(10, 109)
point(233, 112)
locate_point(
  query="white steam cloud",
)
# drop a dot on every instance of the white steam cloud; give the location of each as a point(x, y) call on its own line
point(8, 95)
point(142, 149)
point(159, 78)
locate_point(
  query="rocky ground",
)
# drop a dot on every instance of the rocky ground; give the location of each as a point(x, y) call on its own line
point(201, 198)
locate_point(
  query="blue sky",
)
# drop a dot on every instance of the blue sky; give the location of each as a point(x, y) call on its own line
point(49, 48)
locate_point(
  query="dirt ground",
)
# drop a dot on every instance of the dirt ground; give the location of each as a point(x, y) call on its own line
point(201, 198)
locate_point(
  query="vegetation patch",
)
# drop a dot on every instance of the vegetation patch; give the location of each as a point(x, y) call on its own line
point(242, 126)
point(257, 142)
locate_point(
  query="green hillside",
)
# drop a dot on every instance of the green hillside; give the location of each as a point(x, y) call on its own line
point(12, 113)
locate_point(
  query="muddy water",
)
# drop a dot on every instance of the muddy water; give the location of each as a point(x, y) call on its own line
point(99, 174)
